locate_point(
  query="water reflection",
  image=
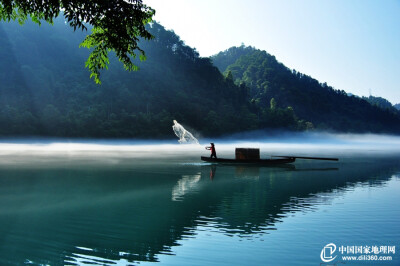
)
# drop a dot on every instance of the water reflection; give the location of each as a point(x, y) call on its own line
point(187, 184)
point(128, 214)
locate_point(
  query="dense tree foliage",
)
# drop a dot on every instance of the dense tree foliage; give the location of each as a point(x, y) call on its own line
point(324, 106)
point(228, 57)
point(381, 103)
point(116, 25)
point(397, 106)
point(44, 90)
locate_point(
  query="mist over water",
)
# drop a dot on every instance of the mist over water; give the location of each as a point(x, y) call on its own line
point(46, 151)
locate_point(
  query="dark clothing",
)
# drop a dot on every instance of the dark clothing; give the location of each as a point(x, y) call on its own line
point(213, 153)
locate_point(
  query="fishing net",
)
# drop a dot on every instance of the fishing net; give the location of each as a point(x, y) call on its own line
point(183, 135)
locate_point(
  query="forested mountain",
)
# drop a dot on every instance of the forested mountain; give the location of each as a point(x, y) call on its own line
point(327, 108)
point(46, 91)
point(381, 103)
point(397, 106)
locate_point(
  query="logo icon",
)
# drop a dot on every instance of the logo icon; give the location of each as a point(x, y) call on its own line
point(327, 253)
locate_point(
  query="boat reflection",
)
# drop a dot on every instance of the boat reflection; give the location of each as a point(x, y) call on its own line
point(254, 171)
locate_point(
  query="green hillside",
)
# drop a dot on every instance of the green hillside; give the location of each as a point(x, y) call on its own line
point(324, 106)
point(46, 91)
point(381, 103)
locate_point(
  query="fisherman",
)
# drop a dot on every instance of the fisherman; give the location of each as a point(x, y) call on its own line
point(212, 149)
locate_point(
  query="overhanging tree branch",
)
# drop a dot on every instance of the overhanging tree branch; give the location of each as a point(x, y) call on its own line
point(117, 25)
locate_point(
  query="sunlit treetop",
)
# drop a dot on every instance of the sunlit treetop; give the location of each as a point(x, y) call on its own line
point(117, 25)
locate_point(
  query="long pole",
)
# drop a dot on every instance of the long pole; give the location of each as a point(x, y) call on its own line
point(311, 158)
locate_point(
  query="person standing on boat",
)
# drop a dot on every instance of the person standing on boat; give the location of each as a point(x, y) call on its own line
point(212, 149)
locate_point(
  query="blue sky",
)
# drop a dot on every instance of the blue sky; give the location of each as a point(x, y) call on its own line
point(353, 45)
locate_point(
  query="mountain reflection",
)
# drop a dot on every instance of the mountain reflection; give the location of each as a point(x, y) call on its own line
point(105, 214)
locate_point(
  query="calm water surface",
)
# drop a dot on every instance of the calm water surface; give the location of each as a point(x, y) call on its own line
point(110, 207)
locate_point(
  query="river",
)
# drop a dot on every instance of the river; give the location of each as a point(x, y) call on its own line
point(123, 203)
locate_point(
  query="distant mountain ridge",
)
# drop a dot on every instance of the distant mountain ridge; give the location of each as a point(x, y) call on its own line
point(381, 103)
point(324, 106)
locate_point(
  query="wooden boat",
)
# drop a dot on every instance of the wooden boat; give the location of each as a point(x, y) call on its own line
point(265, 162)
point(252, 156)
